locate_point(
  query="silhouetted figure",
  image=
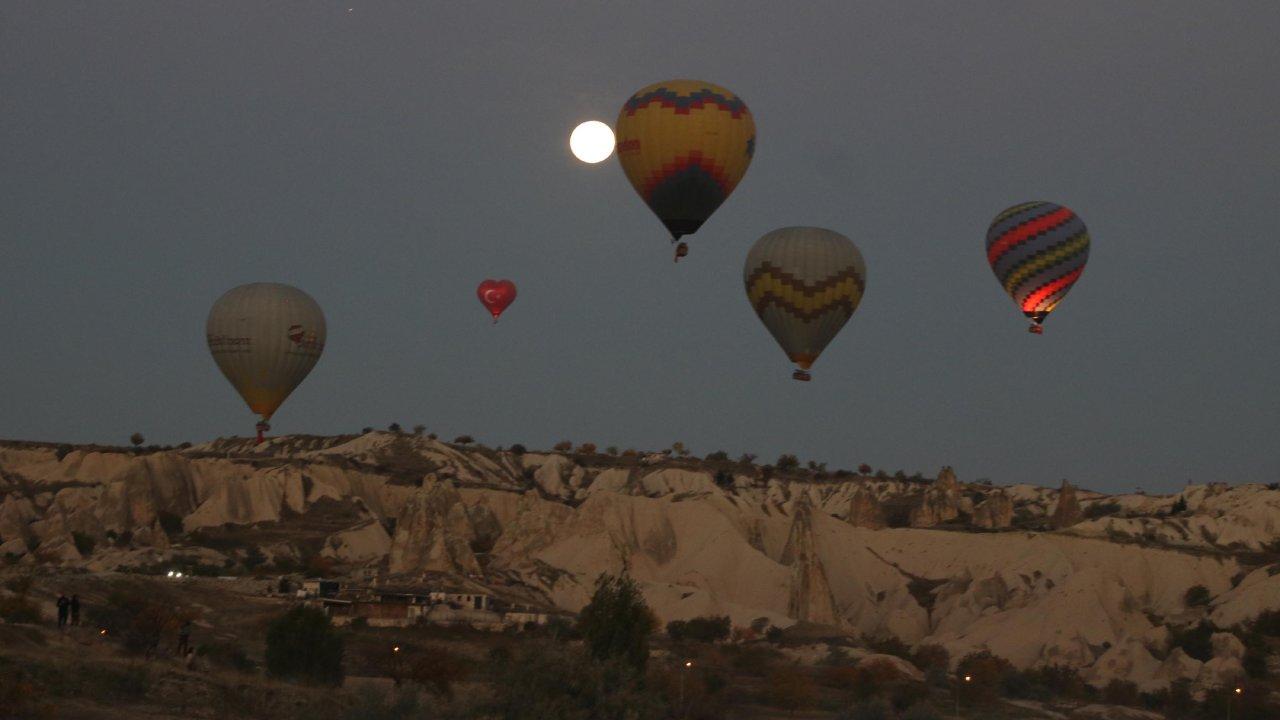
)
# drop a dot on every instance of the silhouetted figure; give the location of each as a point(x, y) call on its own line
point(184, 638)
point(63, 605)
point(75, 609)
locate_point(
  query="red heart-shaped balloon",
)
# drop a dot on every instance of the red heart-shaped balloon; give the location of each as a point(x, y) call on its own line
point(496, 295)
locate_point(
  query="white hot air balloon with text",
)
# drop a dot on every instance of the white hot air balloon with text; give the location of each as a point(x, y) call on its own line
point(265, 338)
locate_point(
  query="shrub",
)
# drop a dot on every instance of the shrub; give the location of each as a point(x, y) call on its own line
point(679, 449)
point(303, 645)
point(931, 657)
point(1102, 509)
point(1196, 642)
point(395, 428)
point(875, 709)
point(1120, 692)
point(587, 448)
point(463, 440)
point(563, 446)
point(891, 646)
point(787, 462)
point(419, 429)
point(171, 523)
point(366, 430)
point(756, 660)
point(1179, 506)
point(518, 449)
point(724, 479)
point(139, 619)
point(921, 711)
point(773, 634)
point(1197, 596)
point(703, 629)
point(789, 689)
point(718, 456)
point(437, 670)
point(617, 622)
point(864, 469)
point(84, 543)
point(137, 439)
point(612, 450)
point(986, 673)
point(747, 458)
point(553, 681)
point(227, 653)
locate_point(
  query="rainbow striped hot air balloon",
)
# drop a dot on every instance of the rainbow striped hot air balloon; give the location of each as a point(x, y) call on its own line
point(684, 145)
point(804, 283)
point(1038, 251)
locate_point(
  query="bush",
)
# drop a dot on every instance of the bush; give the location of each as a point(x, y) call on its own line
point(1120, 692)
point(718, 456)
point(437, 670)
point(563, 446)
point(679, 449)
point(1196, 642)
point(864, 469)
point(986, 673)
point(518, 449)
point(747, 458)
point(891, 646)
point(463, 440)
point(226, 653)
point(171, 523)
point(787, 463)
point(1179, 506)
point(553, 681)
point(1102, 509)
point(703, 629)
point(419, 429)
point(617, 622)
point(789, 689)
point(875, 709)
point(1197, 596)
point(395, 428)
point(921, 711)
point(84, 543)
point(303, 645)
point(139, 618)
point(724, 479)
point(612, 450)
point(587, 448)
point(931, 657)
point(137, 439)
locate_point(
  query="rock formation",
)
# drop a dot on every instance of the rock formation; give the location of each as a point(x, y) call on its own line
point(940, 503)
point(995, 512)
point(865, 510)
point(1067, 512)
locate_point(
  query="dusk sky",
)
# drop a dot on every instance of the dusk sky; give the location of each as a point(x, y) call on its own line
point(386, 157)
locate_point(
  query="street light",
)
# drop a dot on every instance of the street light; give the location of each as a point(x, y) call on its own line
point(967, 678)
point(687, 665)
point(1238, 691)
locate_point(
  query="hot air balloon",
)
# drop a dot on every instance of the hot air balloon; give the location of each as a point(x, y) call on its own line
point(1038, 251)
point(496, 295)
point(804, 283)
point(685, 145)
point(265, 337)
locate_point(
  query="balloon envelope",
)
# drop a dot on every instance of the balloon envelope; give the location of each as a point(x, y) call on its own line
point(1038, 251)
point(804, 283)
point(684, 145)
point(496, 296)
point(265, 338)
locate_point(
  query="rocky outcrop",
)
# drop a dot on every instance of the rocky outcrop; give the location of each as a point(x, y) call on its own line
point(940, 503)
point(995, 512)
point(1067, 511)
point(1227, 664)
point(865, 510)
point(810, 591)
point(433, 532)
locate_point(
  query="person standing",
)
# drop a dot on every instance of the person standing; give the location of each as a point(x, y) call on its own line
point(75, 609)
point(63, 605)
point(184, 638)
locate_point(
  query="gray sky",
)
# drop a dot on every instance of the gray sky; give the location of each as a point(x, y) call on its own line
point(385, 160)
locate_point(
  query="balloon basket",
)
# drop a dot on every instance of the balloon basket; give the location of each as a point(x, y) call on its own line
point(801, 375)
point(1036, 329)
point(262, 428)
point(681, 250)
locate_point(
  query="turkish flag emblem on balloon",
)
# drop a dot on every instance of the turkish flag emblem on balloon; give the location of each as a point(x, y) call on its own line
point(496, 295)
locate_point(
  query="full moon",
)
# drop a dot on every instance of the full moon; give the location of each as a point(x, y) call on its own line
point(591, 142)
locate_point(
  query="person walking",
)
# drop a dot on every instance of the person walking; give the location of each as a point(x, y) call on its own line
point(63, 605)
point(75, 609)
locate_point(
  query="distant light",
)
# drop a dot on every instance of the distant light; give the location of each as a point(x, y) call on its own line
point(591, 142)
point(170, 573)
point(688, 663)
point(177, 575)
point(395, 649)
point(967, 678)
point(1239, 690)
point(103, 631)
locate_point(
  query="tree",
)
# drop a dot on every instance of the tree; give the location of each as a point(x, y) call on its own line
point(1197, 596)
point(518, 449)
point(617, 622)
point(303, 645)
point(547, 680)
point(787, 462)
point(464, 440)
point(137, 439)
point(395, 428)
point(747, 458)
point(704, 629)
point(437, 670)
point(612, 450)
point(679, 449)
point(419, 429)
point(986, 675)
point(587, 448)
point(789, 689)
point(563, 446)
point(1179, 506)
point(718, 456)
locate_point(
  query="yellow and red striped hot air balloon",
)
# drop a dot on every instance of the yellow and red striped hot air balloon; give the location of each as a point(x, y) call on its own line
point(265, 338)
point(804, 283)
point(685, 145)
